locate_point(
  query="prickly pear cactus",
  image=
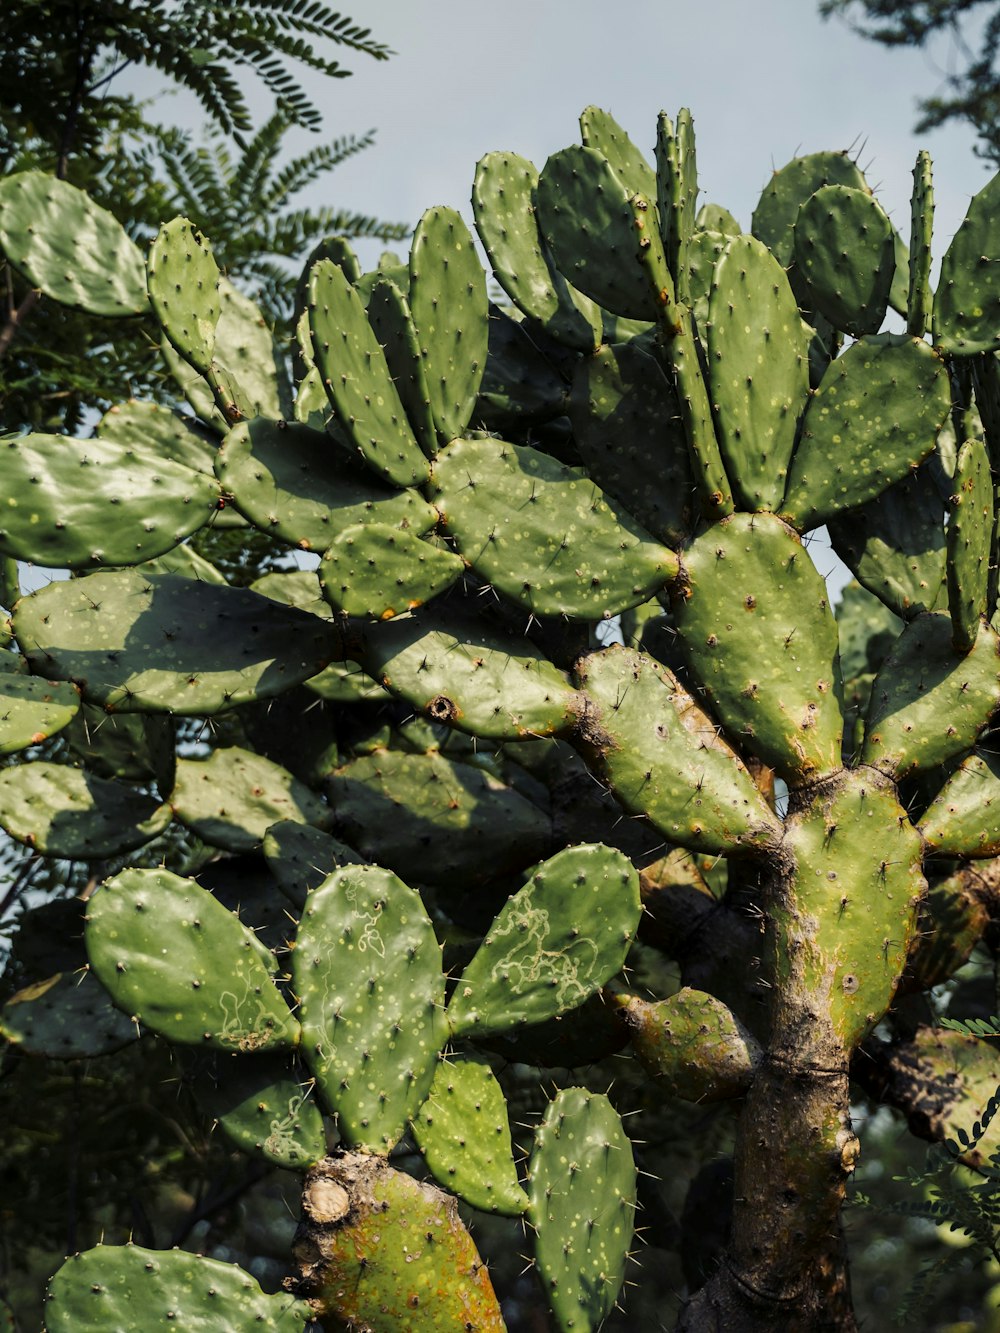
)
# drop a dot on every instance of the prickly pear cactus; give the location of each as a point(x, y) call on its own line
point(445, 811)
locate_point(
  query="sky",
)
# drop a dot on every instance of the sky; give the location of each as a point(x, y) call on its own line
point(764, 81)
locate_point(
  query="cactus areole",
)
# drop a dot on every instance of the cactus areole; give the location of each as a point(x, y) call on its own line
point(473, 812)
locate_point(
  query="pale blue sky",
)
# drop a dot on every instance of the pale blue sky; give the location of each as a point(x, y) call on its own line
point(763, 80)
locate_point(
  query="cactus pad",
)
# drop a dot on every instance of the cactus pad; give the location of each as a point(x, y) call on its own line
point(233, 797)
point(844, 251)
point(65, 1017)
point(455, 670)
point(760, 638)
point(75, 503)
point(172, 956)
point(553, 944)
point(503, 198)
point(664, 759)
point(853, 444)
point(964, 817)
point(63, 811)
point(167, 643)
point(464, 1134)
point(373, 570)
point(582, 1182)
point(132, 1290)
point(543, 533)
point(294, 482)
point(449, 308)
point(967, 300)
point(32, 709)
point(357, 379)
point(970, 530)
point(586, 214)
point(367, 971)
point(460, 823)
point(758, 370)
point(626, 419)
point(264, 1108)
point(929, 704)
point(183, 280)
point(383, 1252)
point(69, 247)
point(301, 857)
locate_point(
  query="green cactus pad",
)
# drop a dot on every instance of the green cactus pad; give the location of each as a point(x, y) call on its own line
point(970, 530)
point(383, 1252)
point(961, 820)
point(233, 797)
point(376, 571)
point(664, 759)
point(967, 300)
point(703, 254)
point(948, 1079)
point(169, 644)
point(600, 130)
point(65, 1017)
point(895, 544)
point(134, 747)
point(32, 709)
point(454, 823)
point(301, 857)
point(464, 1134)
point(503, 199)
point(455, 670)
point(449, 307)
point(919, 296)
point(132, 1290)
point(555, 942)
point(788, 189)
point(759, 636)
point(69, 247)
point(72, 503)
point(157, 430)
point(582, 1183)
point(357, 379)
point(693, 1045)
point(845, 928)
point(63, 811)
point(713, 217)
point(543, 533)
point(252, 358)
point(873, 419)
point(264, 1108)
point(183, 280)
point(626, 420)
point(589, 222)
point(367, 971)
point(677, 192)
point(392, 323)
point(172, 956)
point(929, 704)
point(844, 255)
point(758, 370)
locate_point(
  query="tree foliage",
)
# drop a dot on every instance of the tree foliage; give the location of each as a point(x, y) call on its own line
point(61, 112)
point(973, 26)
